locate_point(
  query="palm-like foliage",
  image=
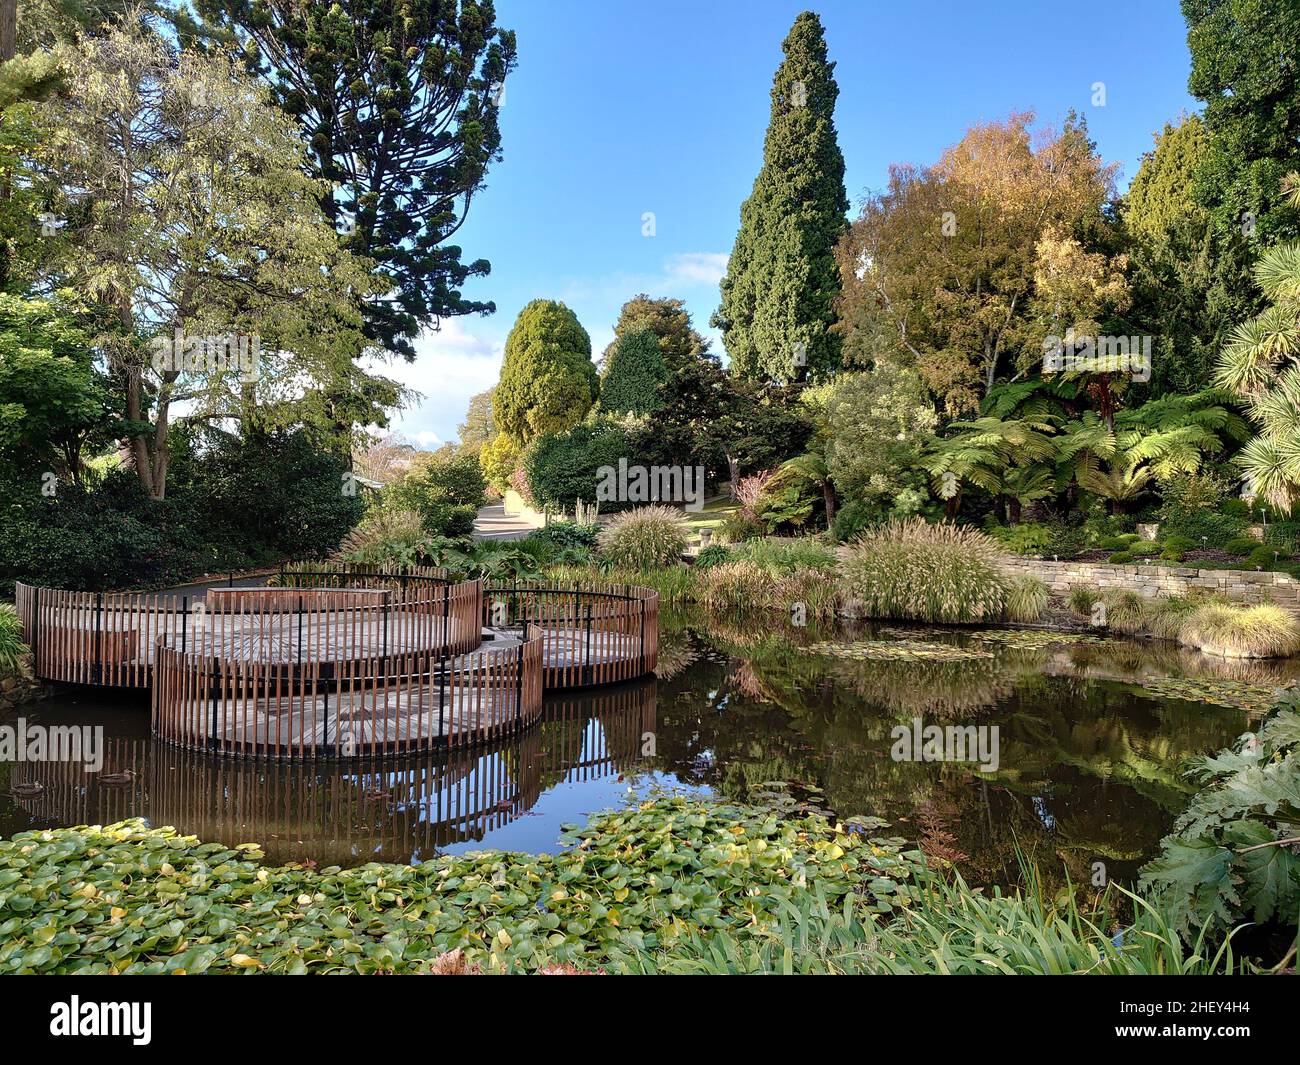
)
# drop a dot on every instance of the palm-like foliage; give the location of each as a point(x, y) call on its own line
point(996, 454)
point(1261, 364)
point(1156, 441)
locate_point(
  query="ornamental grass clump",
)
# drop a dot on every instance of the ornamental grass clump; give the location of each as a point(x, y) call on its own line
point(645, 538)
point(736, 586)
point(916, 571)
point(1264, 631)
point(1026, 599)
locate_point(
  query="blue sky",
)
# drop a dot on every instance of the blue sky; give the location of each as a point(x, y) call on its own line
point(619, 108)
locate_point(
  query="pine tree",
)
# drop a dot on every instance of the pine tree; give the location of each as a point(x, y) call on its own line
point(782, 280)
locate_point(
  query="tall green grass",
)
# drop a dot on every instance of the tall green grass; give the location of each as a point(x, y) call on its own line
point(952, 929)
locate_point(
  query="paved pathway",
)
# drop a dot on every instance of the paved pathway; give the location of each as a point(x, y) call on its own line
point(493, 523)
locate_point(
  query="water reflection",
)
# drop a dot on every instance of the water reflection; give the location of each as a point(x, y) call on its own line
point(1089, 767)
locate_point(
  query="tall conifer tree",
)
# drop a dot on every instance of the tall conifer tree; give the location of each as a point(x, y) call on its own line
point(782, 280)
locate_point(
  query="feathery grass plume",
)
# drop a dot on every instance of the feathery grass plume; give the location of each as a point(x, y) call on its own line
point(645, 538)
point(1264, 631)
point(1026, 599)
point(916, 571)
point(741, 585)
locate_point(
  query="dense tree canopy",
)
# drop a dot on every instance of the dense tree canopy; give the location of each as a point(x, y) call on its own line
point(398, 102)
point(188, 212)
point(941, 266)
point(632, 375)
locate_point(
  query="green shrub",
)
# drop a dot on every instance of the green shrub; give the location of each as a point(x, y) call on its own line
point(1121, 558)
point(853, 519)
point(645, 538)
point(1264, 556)
point(1146, 549)
point(713, 555)
point(1082, 597)
point(916, 571)
point(1113, 543)
point(1241, 545)
point(1283, 535)
point(740, 526)
point(1177, 544)
point(565, 467)
point(782, 558)
point(12, 647)
point(1223, 863)
point(1166, 616)
point(1026, 599)
point(1028, 538)
point(1264, 631)
point(1125, 611)
point(565, 534)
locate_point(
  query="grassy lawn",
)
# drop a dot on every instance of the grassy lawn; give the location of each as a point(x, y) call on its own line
point(713, 514)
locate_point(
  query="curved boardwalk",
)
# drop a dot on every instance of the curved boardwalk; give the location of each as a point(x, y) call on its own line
point(345, 660)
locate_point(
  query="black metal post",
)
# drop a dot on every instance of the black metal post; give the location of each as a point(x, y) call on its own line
point(587, 656)
point(212, 735)
point(97, 667)
point(519, 687)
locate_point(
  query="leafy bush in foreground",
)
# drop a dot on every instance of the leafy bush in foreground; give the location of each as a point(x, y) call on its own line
point(11, 638)
point(948, 929)
point(131, 899)
point(922, 572)
point(1234, 852)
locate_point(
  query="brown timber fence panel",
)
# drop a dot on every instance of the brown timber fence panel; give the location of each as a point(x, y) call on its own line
point(411, 702)
point(594, 633)
point(109, 638)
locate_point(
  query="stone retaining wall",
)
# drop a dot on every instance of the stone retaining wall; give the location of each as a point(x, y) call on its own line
point(1245, 586)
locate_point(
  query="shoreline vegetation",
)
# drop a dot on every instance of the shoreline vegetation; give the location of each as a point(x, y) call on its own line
point(668, 885)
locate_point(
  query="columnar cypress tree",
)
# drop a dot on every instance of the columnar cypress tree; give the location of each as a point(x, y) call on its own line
point(782, 280)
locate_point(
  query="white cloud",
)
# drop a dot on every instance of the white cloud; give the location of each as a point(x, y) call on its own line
point(450, 365)
point(697, 267)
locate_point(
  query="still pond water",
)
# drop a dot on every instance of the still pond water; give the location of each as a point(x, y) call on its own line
point(1088, 753)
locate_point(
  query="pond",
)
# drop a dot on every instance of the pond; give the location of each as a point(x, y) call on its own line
point(1090, 737)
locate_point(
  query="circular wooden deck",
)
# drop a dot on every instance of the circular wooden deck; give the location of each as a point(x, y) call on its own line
point(345, 661)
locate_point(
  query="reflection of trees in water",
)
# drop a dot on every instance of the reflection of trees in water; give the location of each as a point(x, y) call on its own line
point(1088, 772)
point(342, 812)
